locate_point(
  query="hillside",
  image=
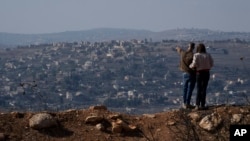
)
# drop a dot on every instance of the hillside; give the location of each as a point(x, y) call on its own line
point(106, 34)
point(97, 123)
point(127, 76)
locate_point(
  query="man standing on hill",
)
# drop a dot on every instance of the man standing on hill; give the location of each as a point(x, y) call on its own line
point(189, 76)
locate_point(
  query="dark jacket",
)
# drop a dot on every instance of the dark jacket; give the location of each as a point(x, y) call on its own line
point(186, 60)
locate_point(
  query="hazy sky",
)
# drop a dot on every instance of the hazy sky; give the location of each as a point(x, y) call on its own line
point(48, 16)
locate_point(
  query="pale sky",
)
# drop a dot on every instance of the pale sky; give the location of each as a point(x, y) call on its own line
point(49, 16)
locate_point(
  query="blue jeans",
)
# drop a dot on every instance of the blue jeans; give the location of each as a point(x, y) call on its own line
point(188, 86)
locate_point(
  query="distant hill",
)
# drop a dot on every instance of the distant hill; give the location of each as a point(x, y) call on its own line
point(102, 34)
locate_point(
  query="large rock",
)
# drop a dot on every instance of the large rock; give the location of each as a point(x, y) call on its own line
point(194, 116)
point(236, 118)
point(100, 127)
point(116, 128)
point(42, 120)
point(210, 122)
point(93, 120)
point(119, 126)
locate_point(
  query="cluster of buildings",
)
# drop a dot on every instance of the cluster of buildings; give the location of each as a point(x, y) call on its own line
point(135, 74)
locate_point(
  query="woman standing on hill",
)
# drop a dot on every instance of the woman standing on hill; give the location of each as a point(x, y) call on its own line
point(202, 62)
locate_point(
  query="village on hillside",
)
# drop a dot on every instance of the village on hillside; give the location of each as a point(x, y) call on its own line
point(135, 76)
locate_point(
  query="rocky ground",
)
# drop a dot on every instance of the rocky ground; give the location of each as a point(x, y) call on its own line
point(97, 123)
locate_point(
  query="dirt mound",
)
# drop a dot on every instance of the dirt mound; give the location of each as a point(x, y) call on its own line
point(98, 124)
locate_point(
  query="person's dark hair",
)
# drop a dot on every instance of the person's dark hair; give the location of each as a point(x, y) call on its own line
point(201, 48)
point(192, 45)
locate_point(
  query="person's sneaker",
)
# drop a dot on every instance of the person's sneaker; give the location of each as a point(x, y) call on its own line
point(196, 108)
point(184, 106)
